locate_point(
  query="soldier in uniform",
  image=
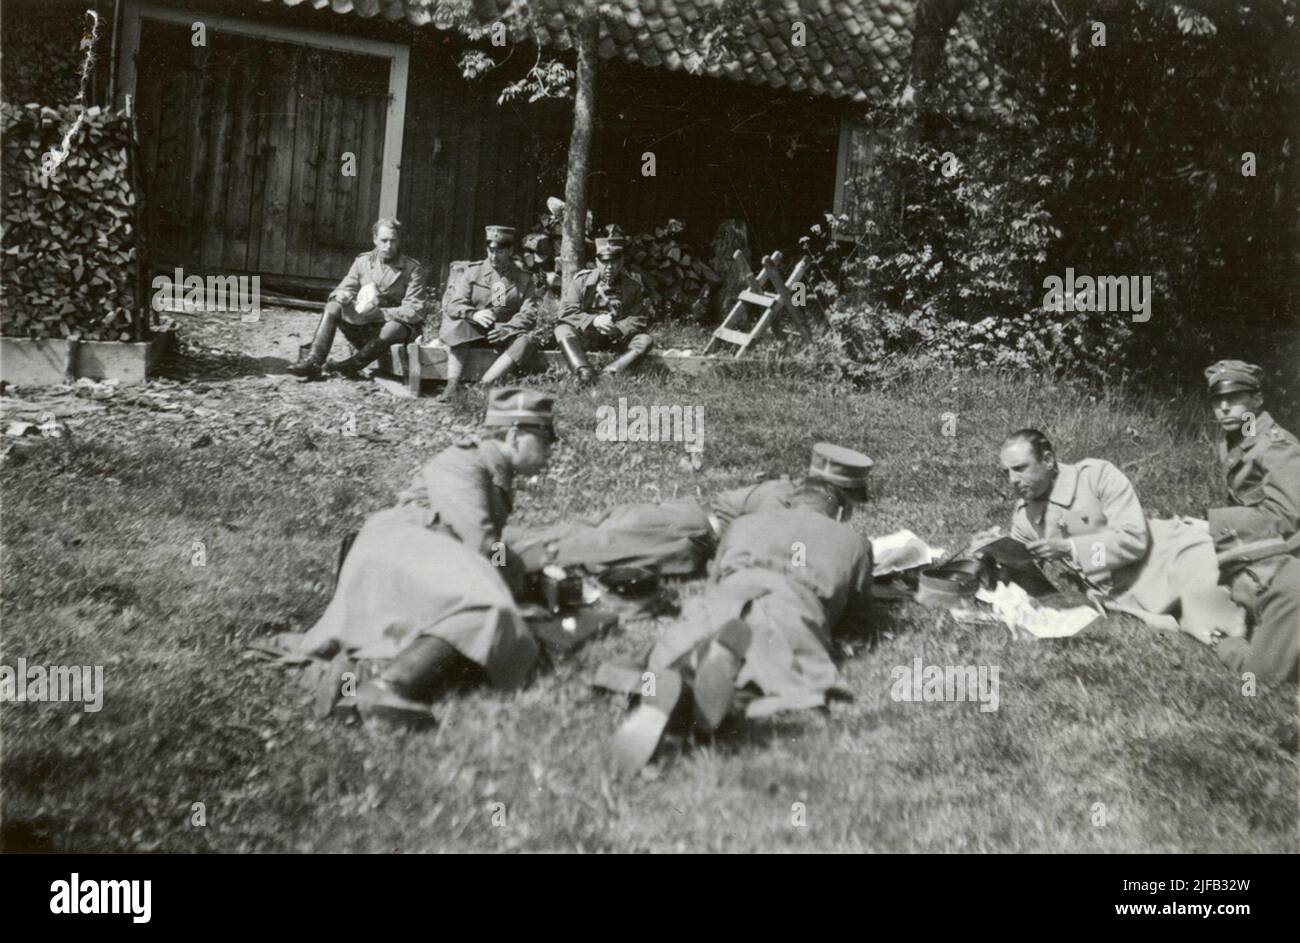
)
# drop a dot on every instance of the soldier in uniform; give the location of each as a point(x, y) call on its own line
point(491, 306)
point(604, 307)
point(677, 538)
point(785, 583)
point(378, 304)
point(539, 261)
point(427, 585)
point(1261, 466)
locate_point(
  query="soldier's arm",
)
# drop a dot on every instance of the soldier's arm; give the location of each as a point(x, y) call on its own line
point(1274, 507)
point(460, 305)
point(525, 318)
point(571, 300)
point(857, 609)
point(460, 497)
point(411, 309)
point(1126, 538)
point(635, 316)
point(351, 284)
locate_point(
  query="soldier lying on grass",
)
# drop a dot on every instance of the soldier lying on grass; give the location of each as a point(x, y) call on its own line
point(427, 585)
point(677, 538)
point(760, 636)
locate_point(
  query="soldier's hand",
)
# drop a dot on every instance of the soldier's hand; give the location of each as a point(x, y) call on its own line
point(483, 319)
point(603, 323)
point(498, 334)
point(1054, 548)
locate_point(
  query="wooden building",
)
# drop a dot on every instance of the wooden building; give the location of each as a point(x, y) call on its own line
point(274, 132)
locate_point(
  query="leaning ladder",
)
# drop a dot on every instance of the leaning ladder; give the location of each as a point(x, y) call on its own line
point(769, 303)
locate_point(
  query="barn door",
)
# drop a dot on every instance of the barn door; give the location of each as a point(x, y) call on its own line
point(259, 156)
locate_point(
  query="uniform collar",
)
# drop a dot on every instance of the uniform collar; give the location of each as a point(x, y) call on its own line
point(1247, 444)
point(377, 259)
point(1064, 488)
point(502, 472)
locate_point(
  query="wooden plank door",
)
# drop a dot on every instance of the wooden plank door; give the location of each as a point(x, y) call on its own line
point(245, 144)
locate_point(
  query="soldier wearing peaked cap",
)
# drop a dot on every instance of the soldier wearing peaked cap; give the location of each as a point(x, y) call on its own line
point(491, 305)
point(678, 538)
point(427, 585)
point(604, 307)
point(379, 303)
point(1257, 531)
point(762, 633)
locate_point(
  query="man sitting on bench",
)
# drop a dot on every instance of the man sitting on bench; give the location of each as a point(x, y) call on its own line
point(378, 304)
point(604, 307)
point(491, 306)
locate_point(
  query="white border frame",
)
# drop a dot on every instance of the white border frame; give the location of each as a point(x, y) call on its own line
point(398, 55)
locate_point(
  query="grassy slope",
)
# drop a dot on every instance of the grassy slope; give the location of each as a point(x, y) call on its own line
point(97, 538)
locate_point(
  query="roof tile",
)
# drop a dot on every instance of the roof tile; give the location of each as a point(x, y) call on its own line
point(852, 48)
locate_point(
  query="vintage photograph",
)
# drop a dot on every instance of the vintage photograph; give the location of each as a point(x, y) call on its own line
point(669, 426)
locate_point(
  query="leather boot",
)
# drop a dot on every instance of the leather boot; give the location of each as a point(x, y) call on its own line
point(623, 361)
point(405, 691)
point(310, 365)
point(352, 366)
point(638, 737)
point(715, 677)
point(576, 358)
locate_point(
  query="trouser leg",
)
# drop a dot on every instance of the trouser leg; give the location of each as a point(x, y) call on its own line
point(310, 364)
point(574, 353)
point(516, 352)
point(370, 343)
point(1273, 652)
point(637, 348)
point(455, 367)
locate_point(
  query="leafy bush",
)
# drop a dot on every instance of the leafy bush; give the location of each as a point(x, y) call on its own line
point(68, 244)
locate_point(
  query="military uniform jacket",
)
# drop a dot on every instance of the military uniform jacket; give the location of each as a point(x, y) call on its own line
point(771, 495)
point(792, 604)
point(625, 302)
point(425, 567)
point(508, 295)
point(1263, 476)
point(1094, 507)
point(401, 287)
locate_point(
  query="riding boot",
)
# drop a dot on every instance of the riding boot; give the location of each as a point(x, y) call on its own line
point(407, 687)
point(576, 358)
point(368, 354)
point(623, 361)
point(310, 365)
point(500, 367)
point(715, 677)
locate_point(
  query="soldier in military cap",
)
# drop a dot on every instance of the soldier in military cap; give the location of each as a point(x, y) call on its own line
point(1257, 529)
point(604, 307)
point(427, 585)
point(492, 305)
point(785, 582)
point(378, 304)
point(679, 537)
point(538, 259)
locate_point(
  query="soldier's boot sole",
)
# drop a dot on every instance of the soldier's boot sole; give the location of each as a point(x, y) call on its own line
point(638, 737)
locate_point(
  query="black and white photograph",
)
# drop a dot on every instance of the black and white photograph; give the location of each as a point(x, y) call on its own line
point(651, 426)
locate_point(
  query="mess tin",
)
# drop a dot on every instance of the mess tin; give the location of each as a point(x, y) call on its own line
point(630, 580)
point(559, 590)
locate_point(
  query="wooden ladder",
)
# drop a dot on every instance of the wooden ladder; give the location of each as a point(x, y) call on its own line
point(769, 303)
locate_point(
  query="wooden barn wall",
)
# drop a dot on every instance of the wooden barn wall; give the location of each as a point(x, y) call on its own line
point(468, 162)
point(722, 150)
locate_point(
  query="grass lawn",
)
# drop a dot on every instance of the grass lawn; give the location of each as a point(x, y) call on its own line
point(99, 541)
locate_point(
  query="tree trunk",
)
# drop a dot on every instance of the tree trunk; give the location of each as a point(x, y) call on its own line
point(925, 67)
point(584, 119)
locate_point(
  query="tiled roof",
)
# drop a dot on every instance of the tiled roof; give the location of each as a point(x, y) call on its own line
point(854, 50)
